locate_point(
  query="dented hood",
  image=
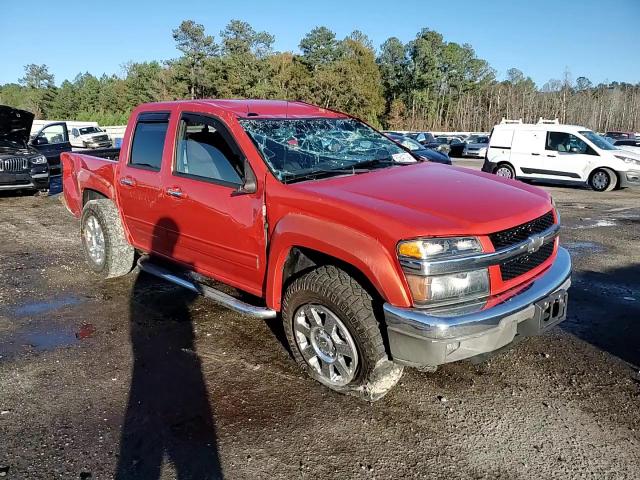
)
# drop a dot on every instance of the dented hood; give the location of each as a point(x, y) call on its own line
point(15, 125)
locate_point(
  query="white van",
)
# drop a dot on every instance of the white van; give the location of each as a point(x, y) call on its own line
point(566, 153)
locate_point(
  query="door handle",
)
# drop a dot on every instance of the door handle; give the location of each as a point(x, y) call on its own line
point(175, 192)
point(552, 156)
point(127, 181)
point(535, 154)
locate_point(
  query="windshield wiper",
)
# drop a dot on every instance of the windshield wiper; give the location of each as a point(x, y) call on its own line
point(376, 162)
point(316, 174)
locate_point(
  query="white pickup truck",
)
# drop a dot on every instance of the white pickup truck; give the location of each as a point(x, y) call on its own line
point(89, 137)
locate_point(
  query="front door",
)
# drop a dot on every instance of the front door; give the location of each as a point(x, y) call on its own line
point(219, 233)
point(51, 141)
point(567, 157)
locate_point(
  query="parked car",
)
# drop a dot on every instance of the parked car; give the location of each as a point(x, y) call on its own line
point(629, 145)
point(372, 260)
point(89, 137)
point(27, 164)
point(565, 153)
point(428, 140)
point(616, 135)
point(420, 150)
point(456, 145)
point(476, 146)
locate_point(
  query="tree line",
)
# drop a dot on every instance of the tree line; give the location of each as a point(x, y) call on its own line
point(425, 84)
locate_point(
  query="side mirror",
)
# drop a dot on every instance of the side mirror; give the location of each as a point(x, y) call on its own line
point(250, 184)
point(39, 141)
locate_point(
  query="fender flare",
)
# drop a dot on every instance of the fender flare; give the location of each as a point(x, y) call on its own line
point(365, 253)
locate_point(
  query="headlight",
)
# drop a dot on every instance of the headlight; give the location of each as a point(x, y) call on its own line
point(39, 160)
point(431, 248)
point(442, 288)
point(629, 160)
point(455, 287)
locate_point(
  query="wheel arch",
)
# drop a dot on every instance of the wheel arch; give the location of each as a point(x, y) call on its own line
point(294, 250)
point(91, 194)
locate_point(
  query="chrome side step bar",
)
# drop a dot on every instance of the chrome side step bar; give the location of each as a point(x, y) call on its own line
point(147, 265)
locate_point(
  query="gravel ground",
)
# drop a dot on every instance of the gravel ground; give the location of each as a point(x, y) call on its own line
point(213, 394)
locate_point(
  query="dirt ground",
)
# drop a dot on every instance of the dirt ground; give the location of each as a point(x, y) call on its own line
point(134, 378)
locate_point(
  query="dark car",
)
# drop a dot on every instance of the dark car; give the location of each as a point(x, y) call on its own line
point(456, 146)
point(28, 164)
point(428, 140)
point(418, 149)
point(613, 136)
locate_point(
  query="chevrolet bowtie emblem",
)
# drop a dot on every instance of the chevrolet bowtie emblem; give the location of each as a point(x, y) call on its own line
point(534, 243)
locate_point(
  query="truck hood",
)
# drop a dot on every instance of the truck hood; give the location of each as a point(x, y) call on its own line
point(15, 125)
point(432, 199)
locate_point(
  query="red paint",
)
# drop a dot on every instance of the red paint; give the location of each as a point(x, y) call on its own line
point(357, 219)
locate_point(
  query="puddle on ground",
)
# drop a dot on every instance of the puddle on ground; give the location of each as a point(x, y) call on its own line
point(583, 248)
point(44, 332)
point(43, 338)
point(44, 306)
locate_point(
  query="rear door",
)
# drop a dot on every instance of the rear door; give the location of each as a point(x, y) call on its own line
point(218, 232)
point(51, 141)
point(139, 181)
point(527, 150)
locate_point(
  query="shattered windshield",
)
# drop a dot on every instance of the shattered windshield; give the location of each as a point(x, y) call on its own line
point(297, 149)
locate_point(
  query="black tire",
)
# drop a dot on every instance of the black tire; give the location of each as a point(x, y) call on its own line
point(334, 289)
point(118, 254)
point(505, 167)
point(603, 180)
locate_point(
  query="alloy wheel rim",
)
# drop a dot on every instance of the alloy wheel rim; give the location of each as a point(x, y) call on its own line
point(504, 172)
point(600, 180)
point(325, 344)
point(94, 240)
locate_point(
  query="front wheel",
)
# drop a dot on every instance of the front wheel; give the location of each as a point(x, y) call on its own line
point(603, 180)
point(334, 335)
point(505, 170)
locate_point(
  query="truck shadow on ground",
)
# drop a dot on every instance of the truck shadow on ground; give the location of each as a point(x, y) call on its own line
point(168, 415)
point(604, 310)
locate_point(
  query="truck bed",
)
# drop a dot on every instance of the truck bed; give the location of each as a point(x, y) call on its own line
point(93, 171)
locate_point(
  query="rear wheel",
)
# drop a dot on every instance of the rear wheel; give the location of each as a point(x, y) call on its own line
point(334, 335)
point(505, 170)
point(603, 180)
point(105, 246)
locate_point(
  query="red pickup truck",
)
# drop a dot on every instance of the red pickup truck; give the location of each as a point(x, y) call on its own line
point(373, 259)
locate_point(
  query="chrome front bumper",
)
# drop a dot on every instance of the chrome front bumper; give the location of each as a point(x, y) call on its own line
point(420, 337)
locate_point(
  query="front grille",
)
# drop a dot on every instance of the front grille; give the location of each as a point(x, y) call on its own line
point(101, 138)
point(14, 164)
point(520, 265)
point(511, 236)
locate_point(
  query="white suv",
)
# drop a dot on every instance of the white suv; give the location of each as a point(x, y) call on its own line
point(565, 153)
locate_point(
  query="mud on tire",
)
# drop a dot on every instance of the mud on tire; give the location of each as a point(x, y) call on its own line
point(333, 290)
point(118, 256)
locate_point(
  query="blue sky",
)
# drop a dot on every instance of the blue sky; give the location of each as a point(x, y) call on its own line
point(596, 39)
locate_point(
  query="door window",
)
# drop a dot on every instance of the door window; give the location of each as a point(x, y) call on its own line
point(567, 143)
point(52, 135)
point(205, 152)
point(148, 143)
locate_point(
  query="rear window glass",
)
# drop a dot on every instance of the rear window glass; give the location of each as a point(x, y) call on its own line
point(148, 143)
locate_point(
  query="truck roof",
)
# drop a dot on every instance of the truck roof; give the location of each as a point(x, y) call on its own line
point(255, 108)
